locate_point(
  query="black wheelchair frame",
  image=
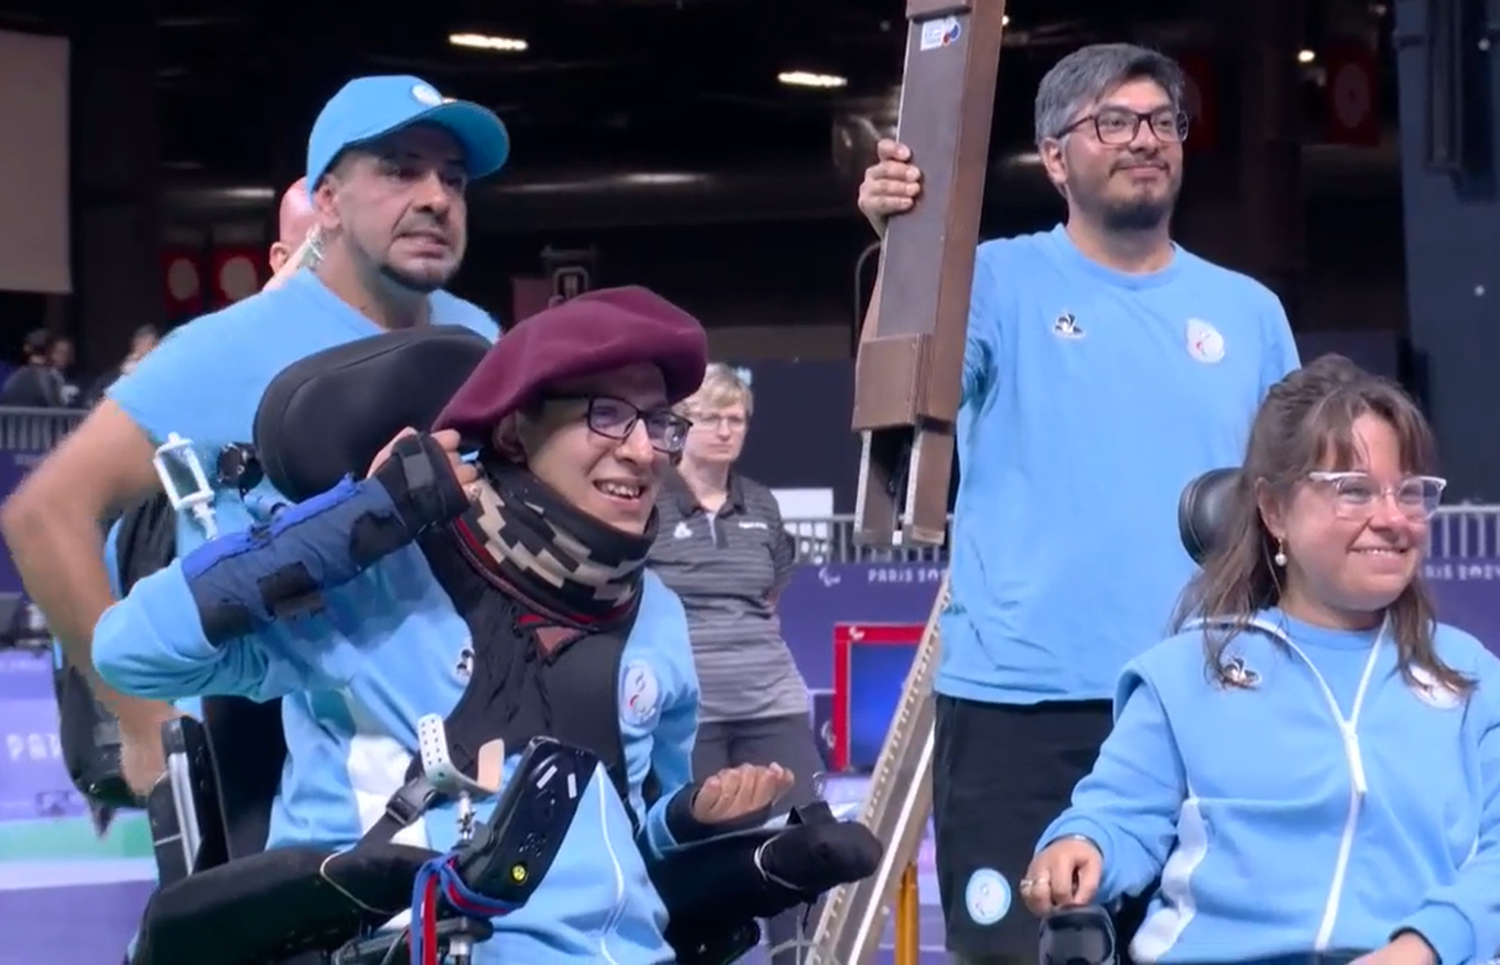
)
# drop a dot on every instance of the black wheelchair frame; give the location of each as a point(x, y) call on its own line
point(210, 824)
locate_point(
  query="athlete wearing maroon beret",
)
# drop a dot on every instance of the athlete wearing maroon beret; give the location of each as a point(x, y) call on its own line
point(613, 328)
point(510, 594)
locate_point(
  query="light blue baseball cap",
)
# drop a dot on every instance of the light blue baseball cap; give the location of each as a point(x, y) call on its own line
point(369, 108)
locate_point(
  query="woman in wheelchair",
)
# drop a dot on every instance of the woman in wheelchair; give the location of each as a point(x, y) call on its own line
point(1311, 766)
point(508, 594)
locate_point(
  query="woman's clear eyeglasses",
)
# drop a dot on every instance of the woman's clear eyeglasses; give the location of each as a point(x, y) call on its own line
point(616, 419)
point(1357, 494)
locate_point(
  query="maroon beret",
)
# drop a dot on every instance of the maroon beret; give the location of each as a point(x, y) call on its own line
point(592, 333)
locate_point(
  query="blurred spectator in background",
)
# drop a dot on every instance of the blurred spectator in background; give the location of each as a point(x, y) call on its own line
point(722, 546)
point(62, 355)
point(142, 342)
point(294, 223)
point(38, 384)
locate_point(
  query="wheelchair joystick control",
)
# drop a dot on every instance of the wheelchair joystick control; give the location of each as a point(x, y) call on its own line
point(498, 864)
point(185, 483)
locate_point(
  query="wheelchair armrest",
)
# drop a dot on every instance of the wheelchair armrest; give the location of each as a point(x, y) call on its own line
point(273, 905)
point(711, 889)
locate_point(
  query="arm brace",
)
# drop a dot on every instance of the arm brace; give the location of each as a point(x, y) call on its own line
point(245, 581)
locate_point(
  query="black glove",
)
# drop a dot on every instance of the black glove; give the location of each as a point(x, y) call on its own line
point(717, 885)
point(809, 859)
point(420, 481)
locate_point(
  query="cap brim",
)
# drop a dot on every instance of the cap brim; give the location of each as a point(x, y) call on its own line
point(478, 130)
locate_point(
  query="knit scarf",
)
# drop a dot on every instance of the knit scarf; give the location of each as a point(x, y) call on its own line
point(526, 538)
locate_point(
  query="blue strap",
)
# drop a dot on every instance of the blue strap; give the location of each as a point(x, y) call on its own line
point(452, 892)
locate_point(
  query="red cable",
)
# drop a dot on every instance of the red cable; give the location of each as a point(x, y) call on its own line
point(429, 924)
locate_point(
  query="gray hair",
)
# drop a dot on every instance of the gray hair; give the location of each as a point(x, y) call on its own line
point(1089, 73)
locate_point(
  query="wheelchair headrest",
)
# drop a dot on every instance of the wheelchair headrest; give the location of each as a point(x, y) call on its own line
point(1203, 511)
point(327, 415)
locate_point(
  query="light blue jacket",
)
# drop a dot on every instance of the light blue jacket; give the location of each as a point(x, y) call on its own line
point(1326, 805)
point(355, 678)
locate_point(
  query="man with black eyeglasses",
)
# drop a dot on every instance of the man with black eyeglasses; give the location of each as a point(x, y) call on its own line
point(1105, 367)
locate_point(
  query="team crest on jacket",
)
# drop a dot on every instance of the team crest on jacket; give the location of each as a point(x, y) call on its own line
point(1239, 674)
point(987, 896)
point(639, 694)
point(1204, 342)
point(1431, 691)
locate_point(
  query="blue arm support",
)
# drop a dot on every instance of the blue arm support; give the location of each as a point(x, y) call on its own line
point(245, 581)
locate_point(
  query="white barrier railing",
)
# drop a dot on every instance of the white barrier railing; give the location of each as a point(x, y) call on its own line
point(1458, 533)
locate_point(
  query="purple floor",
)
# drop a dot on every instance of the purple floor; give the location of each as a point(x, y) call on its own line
point(89, 925)
point(76, 925)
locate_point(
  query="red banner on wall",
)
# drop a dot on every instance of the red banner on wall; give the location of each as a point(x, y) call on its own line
point(527, 297)
point(866, 692)
point(237, 273)
point(182, 282)
point(1200, 102)
point(1352, 96)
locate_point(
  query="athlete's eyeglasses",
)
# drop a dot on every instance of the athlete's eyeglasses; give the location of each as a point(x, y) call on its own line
point(616, 419)
point(1117, 126)
point(1356, 494)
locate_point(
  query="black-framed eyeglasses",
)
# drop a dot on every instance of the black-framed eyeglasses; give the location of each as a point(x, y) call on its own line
point(1117, 126)
point(616, 419)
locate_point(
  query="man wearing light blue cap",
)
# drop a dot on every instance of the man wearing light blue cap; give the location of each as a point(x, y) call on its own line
point(388, 164)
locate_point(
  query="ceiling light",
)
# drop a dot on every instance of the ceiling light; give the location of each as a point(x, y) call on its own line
point(1306, 56)
point(1005, 20)
point(802, 78)
point(509, 45)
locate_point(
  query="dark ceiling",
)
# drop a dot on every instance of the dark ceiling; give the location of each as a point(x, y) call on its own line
point(641, 88)
point(632, 81)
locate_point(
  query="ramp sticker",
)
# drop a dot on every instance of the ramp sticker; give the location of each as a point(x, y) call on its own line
point(940, 33)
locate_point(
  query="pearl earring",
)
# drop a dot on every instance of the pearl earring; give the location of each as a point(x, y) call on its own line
point(1280, 558)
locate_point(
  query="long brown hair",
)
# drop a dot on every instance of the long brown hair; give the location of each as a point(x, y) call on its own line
point(1306, 421)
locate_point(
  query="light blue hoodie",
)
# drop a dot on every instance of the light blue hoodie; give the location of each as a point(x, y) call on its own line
point(355, 678)
point(1326, 805)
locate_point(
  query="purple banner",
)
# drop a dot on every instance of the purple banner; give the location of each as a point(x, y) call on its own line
point(13, 468)
point(1466, 595)
point(821, 596)
point(33, 781)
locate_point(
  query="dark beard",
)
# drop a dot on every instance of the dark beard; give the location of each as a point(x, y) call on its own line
point(419, 286)
point(1143, 215)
